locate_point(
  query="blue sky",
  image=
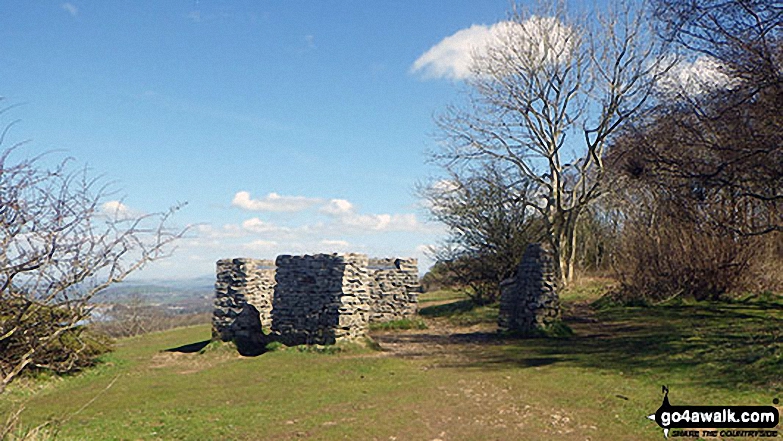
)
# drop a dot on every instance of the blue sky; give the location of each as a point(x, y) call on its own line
point(287, 126)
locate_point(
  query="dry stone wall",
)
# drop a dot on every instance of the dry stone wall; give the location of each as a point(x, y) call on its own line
point(311, 299)
point(395, 288)
point(529, 300)
point(243, 297)
point(321, 299)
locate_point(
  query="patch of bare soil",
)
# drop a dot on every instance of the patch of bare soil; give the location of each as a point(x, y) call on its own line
point(440, 340)
point(578, 312)
point(188, 363)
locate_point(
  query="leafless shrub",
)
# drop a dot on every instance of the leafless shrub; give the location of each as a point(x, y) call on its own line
point(489, 226)
point(661, 256)
point(59, 246)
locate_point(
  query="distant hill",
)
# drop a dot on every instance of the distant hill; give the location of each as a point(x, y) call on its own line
point(188, 295)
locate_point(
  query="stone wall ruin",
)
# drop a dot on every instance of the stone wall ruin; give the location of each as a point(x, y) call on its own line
point(394, 289)
point(311, 299)
point(529, 300)
point(243, 297)
point(321, 299)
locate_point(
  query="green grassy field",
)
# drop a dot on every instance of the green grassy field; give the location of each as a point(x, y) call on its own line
point(454, 380)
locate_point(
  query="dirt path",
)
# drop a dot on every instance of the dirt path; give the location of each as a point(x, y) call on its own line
point(441, 342)
point(445, 340)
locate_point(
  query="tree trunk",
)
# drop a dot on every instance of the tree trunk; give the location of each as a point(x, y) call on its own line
point(571, 251)
point(562, 256)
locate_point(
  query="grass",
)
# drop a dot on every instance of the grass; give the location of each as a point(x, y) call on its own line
point(729, 345)
point(585, 289)
point(598, 383)
point(404, 324)
point(462, 313)
point(441, 296)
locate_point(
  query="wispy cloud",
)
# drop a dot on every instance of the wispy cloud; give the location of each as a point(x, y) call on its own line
point(260, 245)
point(195, 16)
point(273, 202)
point(191, 107)
point(310, 42)
point(70, 8)
point(335, 243)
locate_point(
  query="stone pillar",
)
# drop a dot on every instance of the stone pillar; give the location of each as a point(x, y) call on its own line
point(529, 300)
point(394, 289)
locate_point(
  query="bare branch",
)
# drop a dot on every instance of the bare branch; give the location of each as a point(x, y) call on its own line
point(58, 249)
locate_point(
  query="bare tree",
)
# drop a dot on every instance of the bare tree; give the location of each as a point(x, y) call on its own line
point(704, 172)
point(59, 246)
point(489, 227)
point(543, 101)
point(717, 144)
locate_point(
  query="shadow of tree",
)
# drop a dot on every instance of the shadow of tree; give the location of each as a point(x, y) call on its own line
point(448, 309)
point(718, 345)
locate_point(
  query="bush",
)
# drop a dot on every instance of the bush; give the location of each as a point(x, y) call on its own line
point(73, 350)
point(662, 256)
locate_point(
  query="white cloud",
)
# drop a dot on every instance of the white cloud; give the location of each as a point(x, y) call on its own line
point(335, 243)
point(207, 231)
point(309, 42)
point(425, 249)
point(346, 218)
point(445, 185)
point(695, 77)
point(452, 57)
point(332, 225)
point(260, 245)
point(424, 253)
point(382, 222)
point(273, 202)
point(256, 225)
point(70, 8)
point(541, 39)
point(118, 210)
point(337, 207)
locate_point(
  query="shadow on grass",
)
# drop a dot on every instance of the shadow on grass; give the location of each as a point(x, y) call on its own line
point(448, 309)
point(463, 313)
point(715, 344)
point(245, 347)
point(190, 348)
